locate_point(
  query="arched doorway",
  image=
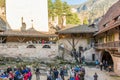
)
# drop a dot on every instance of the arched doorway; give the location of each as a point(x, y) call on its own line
point(107, 57)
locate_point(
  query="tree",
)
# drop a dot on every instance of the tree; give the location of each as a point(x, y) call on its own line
point(66, 8)
point(58, 8)
point(2, 3)
point(73, 19)
point(50, 8)
point(85, 21)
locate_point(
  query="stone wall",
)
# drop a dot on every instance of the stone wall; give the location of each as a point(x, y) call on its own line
point(117, 65)
point(88, 51)
point(88, 54)
point(14, 50)
point(81, 42)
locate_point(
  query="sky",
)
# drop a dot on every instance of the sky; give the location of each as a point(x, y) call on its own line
point(36, 10)
point(73, 2)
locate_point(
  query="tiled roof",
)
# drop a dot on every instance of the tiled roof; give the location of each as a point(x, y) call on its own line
point(109, 27)
point(26, 33)
point(79, 29)
point(112, 13)
point(109, 17)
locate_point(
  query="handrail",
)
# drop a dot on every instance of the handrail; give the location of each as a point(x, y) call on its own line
point(114, 44)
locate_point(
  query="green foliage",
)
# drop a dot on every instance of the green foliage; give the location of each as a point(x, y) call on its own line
point(85, 21)
point(73, 19)
point(59, 8)
point(2, 3)
point(66, 8)
point(50, 8)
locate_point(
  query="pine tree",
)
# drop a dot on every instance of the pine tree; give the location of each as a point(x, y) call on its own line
point(50, 8)
point(58, 8)
point(73, 19)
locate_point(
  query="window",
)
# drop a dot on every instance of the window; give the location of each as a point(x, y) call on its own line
point(93, 57)
point(110, 38)
point(31, 46)
point(46, 46)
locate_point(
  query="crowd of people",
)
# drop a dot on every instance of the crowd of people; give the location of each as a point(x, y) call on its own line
point(76, 73)
point(55, 73)
point(21, 73)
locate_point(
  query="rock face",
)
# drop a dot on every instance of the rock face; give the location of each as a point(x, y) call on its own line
point(93, 9)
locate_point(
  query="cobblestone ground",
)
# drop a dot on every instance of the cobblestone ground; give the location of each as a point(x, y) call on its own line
point(102, 75)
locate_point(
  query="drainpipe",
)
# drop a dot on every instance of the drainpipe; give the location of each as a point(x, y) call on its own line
point(119, 36)
point(119, 32)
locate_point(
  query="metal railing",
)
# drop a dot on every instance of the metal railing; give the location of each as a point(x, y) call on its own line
point(115, 44)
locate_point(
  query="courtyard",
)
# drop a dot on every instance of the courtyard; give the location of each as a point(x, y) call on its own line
point(102, 75)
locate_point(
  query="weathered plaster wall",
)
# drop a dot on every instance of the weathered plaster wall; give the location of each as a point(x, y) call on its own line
point(21, 50)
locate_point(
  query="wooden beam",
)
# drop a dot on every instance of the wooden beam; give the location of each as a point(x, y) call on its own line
point(21, 39)
point(77, 41)
point(2, 39)
point(69, 42)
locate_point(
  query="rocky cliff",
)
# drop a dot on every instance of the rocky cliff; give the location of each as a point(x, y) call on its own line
point(93, 9)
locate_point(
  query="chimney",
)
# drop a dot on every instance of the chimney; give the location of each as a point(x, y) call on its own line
point(23, 27)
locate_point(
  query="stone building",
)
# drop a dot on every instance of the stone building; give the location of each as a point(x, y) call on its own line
point(79, 38)
point(105, 40)
point(26, 42)
point(108, 37)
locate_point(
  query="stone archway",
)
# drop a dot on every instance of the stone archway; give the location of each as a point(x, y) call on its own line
point(106, 56)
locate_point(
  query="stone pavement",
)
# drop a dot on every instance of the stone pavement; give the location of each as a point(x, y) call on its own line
point(102, 75)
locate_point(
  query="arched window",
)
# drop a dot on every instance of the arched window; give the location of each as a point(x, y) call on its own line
point(46, 46)
point(31, 46)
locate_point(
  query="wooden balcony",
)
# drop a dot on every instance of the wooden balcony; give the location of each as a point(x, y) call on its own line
point(108, 45)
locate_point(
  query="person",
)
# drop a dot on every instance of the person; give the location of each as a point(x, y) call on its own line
point(25, 76)
point(55, 73)
point(29, 74)
point(49, 76)
point(18, 75)
point(97, 63)
point(101, 65)
point(11, 76)
point(104, 64)
point(109, 68)
point(62, 73)
point(77, 77)
point(59, 78)
point(72, 74)
point(9, 69)
point(95, 76)
point(37, 73)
